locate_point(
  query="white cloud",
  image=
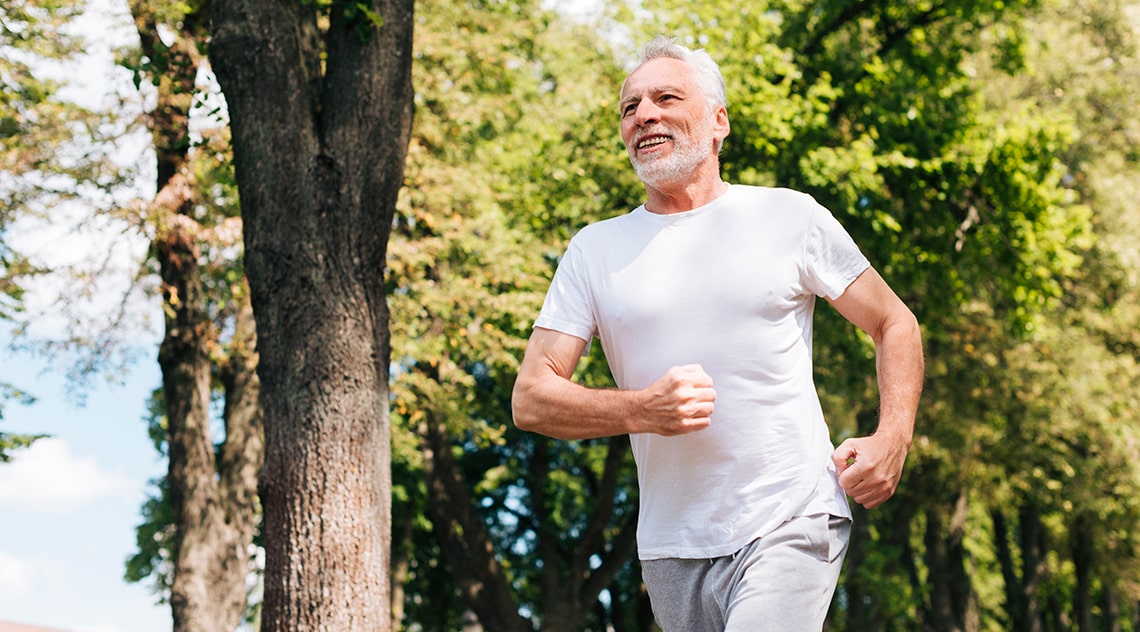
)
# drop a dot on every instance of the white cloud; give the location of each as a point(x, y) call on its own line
point(15, 576)
point(48, 477)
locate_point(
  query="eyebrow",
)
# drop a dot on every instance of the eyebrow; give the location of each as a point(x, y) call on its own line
point(633, 98)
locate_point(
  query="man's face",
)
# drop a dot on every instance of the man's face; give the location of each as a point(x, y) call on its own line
point(666, 123)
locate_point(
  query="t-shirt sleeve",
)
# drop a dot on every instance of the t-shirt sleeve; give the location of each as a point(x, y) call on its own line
point(569, 306)
point(832, 260)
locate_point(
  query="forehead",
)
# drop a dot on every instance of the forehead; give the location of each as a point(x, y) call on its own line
point(664, 73)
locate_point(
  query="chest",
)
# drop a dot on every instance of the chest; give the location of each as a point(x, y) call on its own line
point(703, 273)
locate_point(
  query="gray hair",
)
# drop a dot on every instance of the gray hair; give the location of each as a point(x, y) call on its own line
point(707, 71)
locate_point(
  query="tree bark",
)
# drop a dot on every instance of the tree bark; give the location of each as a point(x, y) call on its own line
point(320, 117)
point(186, 379)
point(213, 500)
point(1110, 603)
point(1004, 551)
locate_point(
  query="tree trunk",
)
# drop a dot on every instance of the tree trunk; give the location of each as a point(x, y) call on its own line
point(214, 502)
point(950, 589)
point(401, 564)
point(1003, 549)
point(194, 492)
point(1032, 543)
point(239, 461)
point(1083, 552)
point(939, 616)
point(1110, 604)
point(212, 499)
point(320, 110)
point(1022, 602)
point(463, 536)
point(570, 584)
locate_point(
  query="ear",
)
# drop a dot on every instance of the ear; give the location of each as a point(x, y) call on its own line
point(721, 127)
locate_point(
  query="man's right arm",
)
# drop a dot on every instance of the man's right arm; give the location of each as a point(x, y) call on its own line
point(545, 400)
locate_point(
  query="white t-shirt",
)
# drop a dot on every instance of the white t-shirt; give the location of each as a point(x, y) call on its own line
point(730, 286)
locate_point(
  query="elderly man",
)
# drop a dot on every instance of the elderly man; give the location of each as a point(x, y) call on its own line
point(702, 299)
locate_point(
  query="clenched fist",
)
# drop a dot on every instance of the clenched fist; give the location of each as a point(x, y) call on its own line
point(680, 401)
point(869, 468)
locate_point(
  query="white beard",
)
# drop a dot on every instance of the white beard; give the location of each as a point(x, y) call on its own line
point(689, 151)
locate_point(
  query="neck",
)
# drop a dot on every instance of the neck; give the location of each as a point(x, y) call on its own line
point(693, 192)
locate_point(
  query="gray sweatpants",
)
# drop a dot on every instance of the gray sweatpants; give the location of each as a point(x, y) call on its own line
point(782, 582)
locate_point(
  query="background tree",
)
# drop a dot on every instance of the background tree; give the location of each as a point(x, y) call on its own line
point(1076, 476)
point(58, 168)
point(208, 353)
point(320, 104)
point(45, 154)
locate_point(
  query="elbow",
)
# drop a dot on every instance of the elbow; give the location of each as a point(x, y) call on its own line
point(901, 341)
point(908, 323)
point(900, 325)
point(521, 409)
point(913, 328)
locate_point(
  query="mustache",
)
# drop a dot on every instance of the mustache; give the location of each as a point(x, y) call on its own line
point(658, 129)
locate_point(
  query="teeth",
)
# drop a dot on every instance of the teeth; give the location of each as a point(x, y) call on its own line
point(651, 142)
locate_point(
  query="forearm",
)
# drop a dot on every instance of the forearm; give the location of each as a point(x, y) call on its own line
point(545, 399)
point(562, 409)
point(900, 369)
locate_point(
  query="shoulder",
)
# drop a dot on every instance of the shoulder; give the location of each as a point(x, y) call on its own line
point(605, 230)
point(775, 198)
point(777, 208)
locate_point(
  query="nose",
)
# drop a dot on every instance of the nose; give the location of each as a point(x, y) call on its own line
point(646, 113)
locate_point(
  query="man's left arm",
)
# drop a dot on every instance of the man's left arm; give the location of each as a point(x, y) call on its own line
point(870, 467)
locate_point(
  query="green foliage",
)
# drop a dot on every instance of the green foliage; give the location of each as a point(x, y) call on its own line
point(155, 536)
point(508, 158)
point(11, 441)
point(363, 18)
point(967, 209)
point(50, 152)
point(39, 129)
point(57, 172)
point(34, 124)
point(13, 268)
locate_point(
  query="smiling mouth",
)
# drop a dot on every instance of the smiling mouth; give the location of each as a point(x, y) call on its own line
point(652, 141)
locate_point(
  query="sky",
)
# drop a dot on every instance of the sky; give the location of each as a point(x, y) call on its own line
point(69, 505)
